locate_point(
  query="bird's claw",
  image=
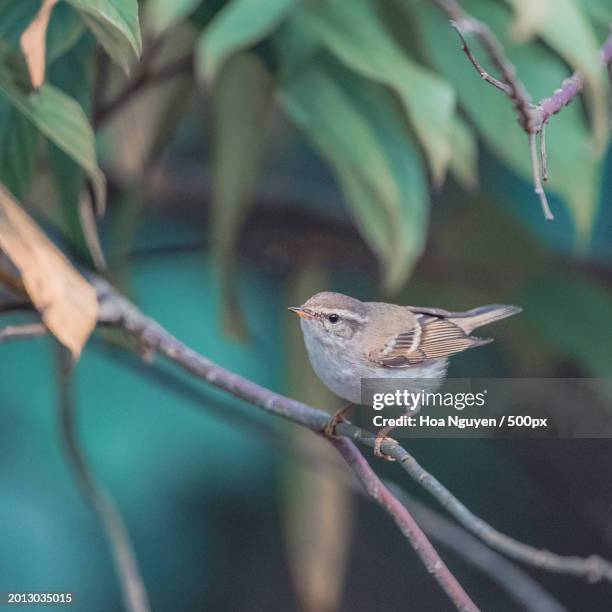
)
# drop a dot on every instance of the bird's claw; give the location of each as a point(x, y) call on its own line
point(330, 428)
point(381, 438)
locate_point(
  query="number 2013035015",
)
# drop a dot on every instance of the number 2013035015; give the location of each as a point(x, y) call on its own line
point(24, 598)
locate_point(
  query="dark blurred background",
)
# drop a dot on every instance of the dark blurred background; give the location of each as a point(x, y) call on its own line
point(258, 153)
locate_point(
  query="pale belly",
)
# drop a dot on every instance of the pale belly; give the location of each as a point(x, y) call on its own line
point(343, 375)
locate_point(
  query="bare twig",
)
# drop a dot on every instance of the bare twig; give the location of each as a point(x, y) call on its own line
point(593, 568)
point(547, 107)
point(483, 73)
point(116, 310)
point(531, 117)
point(379, 493)
point(537, 178)
point(132, 586)
point(543, 154)
point(521, 587)
point(18, 332)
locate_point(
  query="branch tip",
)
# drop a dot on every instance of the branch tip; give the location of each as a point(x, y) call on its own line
point(537, 178)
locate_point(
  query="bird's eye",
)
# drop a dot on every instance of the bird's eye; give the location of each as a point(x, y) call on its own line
point(333, 318)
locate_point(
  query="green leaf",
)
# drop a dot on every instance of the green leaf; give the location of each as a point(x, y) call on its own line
point(74, 76)
point(351, 30)
point(239, 25)
point(163, 14)
point(62, 120)
point(15, 16)
point(65, 30)
point(464, 160)
point(557, 23)
point(115, 25)
point(242, 101)
point(359, 129)
point(571, 315)
point(19, 141)
point(491, 112)
point(599, 12)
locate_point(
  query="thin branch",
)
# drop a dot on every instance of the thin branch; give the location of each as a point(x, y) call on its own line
point(18, 332)
point(466, 24)
point(483, 73)
point(531, 117)
point(537, 178)
point(132, 585)
point(518, 585)
point(543, 153)
point(593, 568)
point(117, 311)
point(547, 107)
point(379, 493)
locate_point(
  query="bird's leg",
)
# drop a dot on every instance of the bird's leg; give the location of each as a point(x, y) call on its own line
point(382, 436)
point(330, 428)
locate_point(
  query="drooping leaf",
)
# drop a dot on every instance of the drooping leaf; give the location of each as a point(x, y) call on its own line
point(62, 120)
point(163, 14)
point(599, 12)
point(571, 314)
point(295, 45)
point(115, 25)
point(74, 76)
point(351, 30)
point(361, 132)
point(464, 160)
point(66, 301)
point(19, 141)
point(238, 25)
point(530, 17)
point(542, 71)
point(242, 101)
point(33, 42)
point(65, 30)
point(15, 15)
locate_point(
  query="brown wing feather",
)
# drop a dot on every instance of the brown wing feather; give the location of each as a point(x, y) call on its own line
point(438, 338)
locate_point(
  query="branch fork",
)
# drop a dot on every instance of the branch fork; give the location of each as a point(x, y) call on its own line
point(532, 118)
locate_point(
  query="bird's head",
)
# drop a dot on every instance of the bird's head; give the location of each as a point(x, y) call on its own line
point(332, 317)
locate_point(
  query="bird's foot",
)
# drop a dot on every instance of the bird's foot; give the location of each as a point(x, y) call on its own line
point(381, 438)
point(330, 428)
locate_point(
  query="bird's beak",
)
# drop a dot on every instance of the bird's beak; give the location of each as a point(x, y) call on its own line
point(300, 312)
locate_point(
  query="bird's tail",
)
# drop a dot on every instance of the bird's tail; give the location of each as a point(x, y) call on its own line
point(477, 317)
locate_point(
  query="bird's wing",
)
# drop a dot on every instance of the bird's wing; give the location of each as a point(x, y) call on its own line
point(434, 336)
point(436, 312)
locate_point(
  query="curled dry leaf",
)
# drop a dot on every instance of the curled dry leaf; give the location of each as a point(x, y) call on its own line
point(66, 301)
point(33, 43)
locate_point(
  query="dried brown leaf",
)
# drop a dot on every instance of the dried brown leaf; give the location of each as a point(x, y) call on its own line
point(66, 301)
point(33, 43)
